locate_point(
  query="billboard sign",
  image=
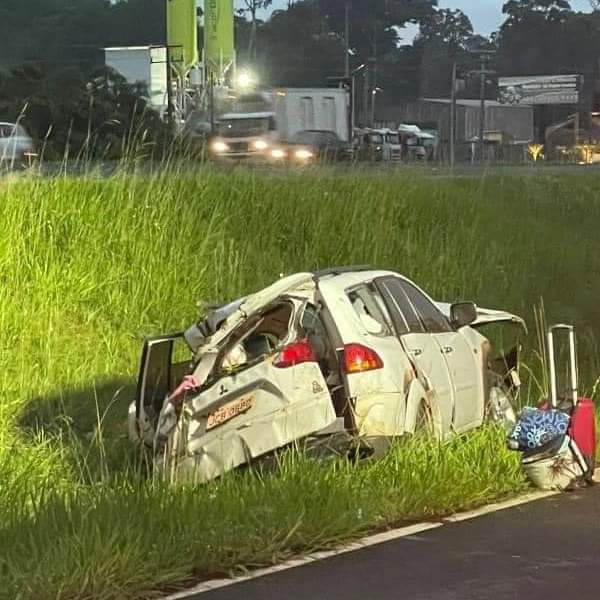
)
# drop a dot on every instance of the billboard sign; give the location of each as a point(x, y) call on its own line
point(539, 89)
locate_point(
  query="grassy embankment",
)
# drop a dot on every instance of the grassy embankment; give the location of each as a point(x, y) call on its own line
point(90, 266)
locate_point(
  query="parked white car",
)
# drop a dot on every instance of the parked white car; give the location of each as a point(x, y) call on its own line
point(351, 350)
point(16, 146)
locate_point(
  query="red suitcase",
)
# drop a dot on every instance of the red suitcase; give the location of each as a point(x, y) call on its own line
point(582, 429)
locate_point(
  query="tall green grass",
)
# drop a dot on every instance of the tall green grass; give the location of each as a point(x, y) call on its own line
point(89, 266)
point(126, 539)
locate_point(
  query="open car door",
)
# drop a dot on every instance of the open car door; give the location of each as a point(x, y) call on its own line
point(165, 361)
point(266, 391)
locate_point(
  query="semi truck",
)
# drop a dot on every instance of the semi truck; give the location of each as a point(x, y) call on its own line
point(254, 124)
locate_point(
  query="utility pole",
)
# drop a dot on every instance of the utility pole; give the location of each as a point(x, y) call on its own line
point(373, 96)
point(484, 57)
point(169, 87)
point(453, 118)
point(211, 100)
point(482, 113)
point(366, 85)
point(347, 39)
point(577, 123)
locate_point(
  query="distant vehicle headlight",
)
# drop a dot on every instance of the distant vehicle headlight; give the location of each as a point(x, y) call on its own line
point(220, 147)
point(278, 153)
point(260, 145)
point(304, 154)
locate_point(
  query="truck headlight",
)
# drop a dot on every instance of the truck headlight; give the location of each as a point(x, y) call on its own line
point(278, 153)
point(260, 145)
point(220, 147)
point(304, 154)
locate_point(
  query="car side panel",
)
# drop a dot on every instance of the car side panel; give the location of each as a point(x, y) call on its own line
point(433, 374)
point(379, 396)
point(463, 362)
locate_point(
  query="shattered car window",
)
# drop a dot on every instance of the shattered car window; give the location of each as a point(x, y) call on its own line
point(257, 339)
point(369, 310)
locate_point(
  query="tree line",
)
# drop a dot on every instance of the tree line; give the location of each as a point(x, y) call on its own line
point(50, 51)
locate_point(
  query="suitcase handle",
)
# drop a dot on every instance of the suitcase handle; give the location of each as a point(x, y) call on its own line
point(572, 360)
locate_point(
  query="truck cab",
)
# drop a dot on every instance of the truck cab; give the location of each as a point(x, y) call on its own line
point(392, 147)
point(243, 135)
point(370, 144)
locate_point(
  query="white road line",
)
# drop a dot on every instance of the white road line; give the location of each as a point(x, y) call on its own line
point(371, 540)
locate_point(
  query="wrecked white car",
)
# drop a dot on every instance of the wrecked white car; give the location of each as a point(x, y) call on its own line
point(355, 351)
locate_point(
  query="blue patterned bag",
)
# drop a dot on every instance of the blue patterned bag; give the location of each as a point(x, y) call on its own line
point(537, 427)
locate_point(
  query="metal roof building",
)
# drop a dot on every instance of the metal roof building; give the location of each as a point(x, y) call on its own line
point(514, 122)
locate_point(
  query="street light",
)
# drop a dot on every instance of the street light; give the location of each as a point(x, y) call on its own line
point(374, 93)
point(353, 96)
point(245, 80)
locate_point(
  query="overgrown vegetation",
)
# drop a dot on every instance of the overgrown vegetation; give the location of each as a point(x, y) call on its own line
point(90, 265)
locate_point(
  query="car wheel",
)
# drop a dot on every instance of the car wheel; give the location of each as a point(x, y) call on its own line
point(424, 425)
point(499, 410)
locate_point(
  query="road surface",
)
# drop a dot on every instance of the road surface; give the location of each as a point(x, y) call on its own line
point(545, 550)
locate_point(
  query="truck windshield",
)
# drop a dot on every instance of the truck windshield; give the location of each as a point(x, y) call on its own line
point(392, 138)
point(376, 138)
point(231, 128)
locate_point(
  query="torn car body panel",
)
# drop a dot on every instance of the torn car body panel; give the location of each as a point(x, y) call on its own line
point(244, 309)
point(358, 349)
point(486, 316)
point(264, 391)
point(274, 409)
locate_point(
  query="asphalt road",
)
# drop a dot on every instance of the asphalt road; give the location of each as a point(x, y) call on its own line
point(545, 550)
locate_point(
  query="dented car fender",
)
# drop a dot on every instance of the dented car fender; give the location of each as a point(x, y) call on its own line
point(416, 396)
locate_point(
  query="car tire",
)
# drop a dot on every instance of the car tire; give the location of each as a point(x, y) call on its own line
point(424, 422)
point(499, 409)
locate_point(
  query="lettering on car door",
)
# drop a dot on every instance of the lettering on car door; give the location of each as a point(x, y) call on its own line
point(420, 345)
point(458, 355)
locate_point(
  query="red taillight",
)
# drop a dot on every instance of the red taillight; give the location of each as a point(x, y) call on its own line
point(359, 358)
point(294, 354)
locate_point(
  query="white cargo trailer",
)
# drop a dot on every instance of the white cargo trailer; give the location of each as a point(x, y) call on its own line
point(145, 64)
point(299, 109)
point(247, 132)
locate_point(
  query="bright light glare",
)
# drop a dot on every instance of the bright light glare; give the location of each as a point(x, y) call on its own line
point(220, 147)
point(245, 80)
point(304, 154)
point(261, 145)
point(278, 153)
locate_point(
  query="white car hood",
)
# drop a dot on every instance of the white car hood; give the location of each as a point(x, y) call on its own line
point(486, 315)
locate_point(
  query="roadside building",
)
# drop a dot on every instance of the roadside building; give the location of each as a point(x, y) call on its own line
point(507, 126)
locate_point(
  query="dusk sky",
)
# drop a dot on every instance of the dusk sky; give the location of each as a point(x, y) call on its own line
point(486, 15)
